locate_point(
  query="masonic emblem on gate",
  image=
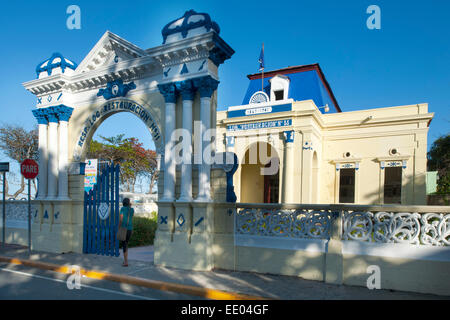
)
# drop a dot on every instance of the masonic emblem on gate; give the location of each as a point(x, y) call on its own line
point(116, 89)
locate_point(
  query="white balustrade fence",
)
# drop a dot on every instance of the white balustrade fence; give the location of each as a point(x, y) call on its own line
point(416, 225)
point(17, 213)
point(278, 222)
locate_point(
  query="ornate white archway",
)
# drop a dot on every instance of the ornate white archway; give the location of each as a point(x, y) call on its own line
point(167, 87)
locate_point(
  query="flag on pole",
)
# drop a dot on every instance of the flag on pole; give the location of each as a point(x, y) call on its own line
point(261, 59)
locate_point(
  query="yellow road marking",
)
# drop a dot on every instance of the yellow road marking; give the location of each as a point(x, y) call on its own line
point(159, 285)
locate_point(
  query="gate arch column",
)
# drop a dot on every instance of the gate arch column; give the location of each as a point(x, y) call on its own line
point(43, 153)
point(169, 93)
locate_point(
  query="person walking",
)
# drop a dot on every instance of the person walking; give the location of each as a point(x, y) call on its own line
point(126, 221)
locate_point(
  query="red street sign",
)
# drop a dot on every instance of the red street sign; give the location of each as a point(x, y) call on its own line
point(29, 169)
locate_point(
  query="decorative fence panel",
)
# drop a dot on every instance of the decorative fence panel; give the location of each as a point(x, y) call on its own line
point(278, 221)
point(415, 225)
point(422, 225)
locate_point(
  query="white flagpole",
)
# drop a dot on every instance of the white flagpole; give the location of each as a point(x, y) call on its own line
point(262, 78)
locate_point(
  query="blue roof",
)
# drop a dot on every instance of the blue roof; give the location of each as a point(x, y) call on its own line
point(306, 83)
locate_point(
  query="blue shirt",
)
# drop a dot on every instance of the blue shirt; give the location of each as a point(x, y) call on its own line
point(125, 212)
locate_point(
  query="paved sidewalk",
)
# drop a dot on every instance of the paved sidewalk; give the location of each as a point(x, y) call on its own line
point(265, 285)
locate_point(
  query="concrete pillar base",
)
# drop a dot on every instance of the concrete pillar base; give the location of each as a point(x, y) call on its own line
point(334, 263)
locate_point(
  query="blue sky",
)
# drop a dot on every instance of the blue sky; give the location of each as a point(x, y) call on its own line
point(406, 62)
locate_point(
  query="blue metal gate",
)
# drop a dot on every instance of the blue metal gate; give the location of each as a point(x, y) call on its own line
point(101, 214)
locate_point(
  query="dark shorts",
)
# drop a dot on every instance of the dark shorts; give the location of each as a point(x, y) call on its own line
point(125, 243)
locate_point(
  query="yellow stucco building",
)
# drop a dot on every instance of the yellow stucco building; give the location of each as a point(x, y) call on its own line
point(296, 145)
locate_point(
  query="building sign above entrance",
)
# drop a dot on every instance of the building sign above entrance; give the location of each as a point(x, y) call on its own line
point(260, 125)
point(260, 110)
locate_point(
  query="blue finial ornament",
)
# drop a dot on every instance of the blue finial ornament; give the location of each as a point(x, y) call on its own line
point(190, 20)
point(56, 61)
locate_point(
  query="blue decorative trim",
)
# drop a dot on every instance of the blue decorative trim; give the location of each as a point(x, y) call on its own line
point(59, 97)
point(307, 146)
point(53, 114)
point(46, 215)
point(186, 89)
point(56, 216)
point(259, 110)
point(164, 220)
point(184, 70)
point(166, 73)
point(168, 91)
point(116, 89)
point(185, 26)
point(39, 114)
point(221, 51)
point(289, 136)
point(181, 221)
point(260, 125)
point(206, 86)
point(230, 141)
point(64, 113)
point(201, 67)
point(199, 221)
point(39, 100)
point(49, 98)
point(63, 64)
point(231, 195)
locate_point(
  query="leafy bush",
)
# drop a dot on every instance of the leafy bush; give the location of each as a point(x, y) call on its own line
point(143, 232)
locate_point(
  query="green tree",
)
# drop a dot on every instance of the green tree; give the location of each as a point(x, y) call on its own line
point(134, 160)
point(19, 144)
point(439, 160)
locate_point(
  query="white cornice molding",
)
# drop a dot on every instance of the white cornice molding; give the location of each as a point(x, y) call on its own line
point(378, 121)
point(132, 69)
point(346, 160)
point(393, 158)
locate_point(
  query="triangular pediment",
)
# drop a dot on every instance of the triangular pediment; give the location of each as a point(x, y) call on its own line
point(109, 50)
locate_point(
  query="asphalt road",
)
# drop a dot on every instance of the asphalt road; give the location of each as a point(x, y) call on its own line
point(24, 283)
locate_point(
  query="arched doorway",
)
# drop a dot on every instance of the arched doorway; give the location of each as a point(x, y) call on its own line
point(99, 230)
point(260, 174)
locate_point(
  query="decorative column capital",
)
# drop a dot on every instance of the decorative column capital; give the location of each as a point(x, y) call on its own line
point(289, 136)
point(206, 86)
point(64, 112)
point(168, 91)
point(52, 115)
point(39, 114)
point(186, 89)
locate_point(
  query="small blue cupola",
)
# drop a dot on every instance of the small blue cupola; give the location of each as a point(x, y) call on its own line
point(57, 64)
point(189, 25)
